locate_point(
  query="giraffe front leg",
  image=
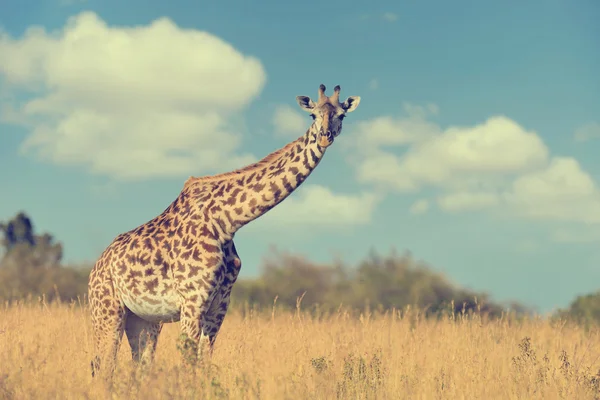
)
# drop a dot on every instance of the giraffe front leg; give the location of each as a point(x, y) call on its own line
point(191, 343)
point(143, 337)
point(213, 320)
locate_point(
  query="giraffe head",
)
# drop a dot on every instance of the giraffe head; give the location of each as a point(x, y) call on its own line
point(328, 113)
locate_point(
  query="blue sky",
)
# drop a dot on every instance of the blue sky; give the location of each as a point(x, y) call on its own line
point(473, 146)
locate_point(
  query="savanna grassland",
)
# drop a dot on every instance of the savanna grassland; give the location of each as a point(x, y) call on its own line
point(45, 353)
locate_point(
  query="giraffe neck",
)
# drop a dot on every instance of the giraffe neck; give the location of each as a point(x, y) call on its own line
point(231, 200)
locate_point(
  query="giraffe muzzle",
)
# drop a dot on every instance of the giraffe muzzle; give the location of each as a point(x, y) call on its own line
point(326, 139)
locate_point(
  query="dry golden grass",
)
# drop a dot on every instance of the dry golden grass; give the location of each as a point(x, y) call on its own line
point(45, 352)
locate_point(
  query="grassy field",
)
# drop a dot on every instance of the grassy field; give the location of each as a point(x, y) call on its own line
point(45, 353)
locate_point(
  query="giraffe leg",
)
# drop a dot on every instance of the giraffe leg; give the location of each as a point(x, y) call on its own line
point(192, 344)
point(213, 320)
point(108, 323)
point(143, 337)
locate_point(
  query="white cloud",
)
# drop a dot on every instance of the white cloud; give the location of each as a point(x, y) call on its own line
point(461, 201)
point(370, 135)
point(587, 132)
point(419, 207)
point(576, 236)
point(129, 102)
point(562, 191)
point(390, 16)
point(527, 246)
point(497, 146)
point(316, 205)
point(497, 166)
point(288, 121)
point(383, 170)
point(420, 112)
point(455, 157)
point(386, 16)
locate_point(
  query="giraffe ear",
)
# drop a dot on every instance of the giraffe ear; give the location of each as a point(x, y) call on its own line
point(351, 103)
point(305, 103)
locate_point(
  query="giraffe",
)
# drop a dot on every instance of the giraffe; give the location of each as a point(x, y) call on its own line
point(182, 264)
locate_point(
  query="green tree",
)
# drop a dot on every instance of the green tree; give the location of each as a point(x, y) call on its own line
point(31, 264)
point(392, 281)
point(584, 309)
point(20, 243)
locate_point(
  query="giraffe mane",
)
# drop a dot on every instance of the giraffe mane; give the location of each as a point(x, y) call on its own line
point(274, 156)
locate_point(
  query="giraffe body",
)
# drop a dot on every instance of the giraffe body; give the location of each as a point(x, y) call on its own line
point(182, 264)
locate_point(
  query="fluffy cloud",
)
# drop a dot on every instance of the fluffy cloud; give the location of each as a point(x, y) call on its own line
point(497, 147)
point(561, 191)
point(419, 207)
point(564, 235)
point(288, 121)
point(317, 205)
point(373, 84)
point(369, 136)
point(587, 132)
point(497, 165)
point(390, 16)
point(129, 102)
point(461, 201)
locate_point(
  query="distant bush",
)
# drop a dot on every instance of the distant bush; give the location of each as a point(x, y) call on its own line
point(584, 310)
point(21, 279)
point(382, 283)
point(31, 265)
